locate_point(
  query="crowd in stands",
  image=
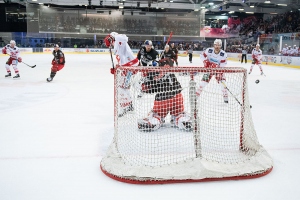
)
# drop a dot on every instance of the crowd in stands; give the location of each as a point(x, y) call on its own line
point(128, 25)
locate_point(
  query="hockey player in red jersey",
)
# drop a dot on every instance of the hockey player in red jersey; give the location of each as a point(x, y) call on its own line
point(14, 57)
point(58, 62)
point(125, 57)
point(212, 58)
point(167, 53)
point(175, 50)
point(168, 100)
point(256, 59)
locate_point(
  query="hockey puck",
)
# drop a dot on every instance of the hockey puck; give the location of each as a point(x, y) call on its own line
point(257, 81)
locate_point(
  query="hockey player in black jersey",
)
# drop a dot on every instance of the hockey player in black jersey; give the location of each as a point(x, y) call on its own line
point(147, 55)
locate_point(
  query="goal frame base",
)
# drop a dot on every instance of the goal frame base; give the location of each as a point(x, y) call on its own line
point(159, 181)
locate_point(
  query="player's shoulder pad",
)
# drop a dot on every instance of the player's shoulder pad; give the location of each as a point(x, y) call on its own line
point(210, 50)
point(222, 53)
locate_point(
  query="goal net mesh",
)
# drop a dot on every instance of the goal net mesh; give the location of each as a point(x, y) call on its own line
point(220, 142)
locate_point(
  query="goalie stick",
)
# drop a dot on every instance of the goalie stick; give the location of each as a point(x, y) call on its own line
point(232, 94)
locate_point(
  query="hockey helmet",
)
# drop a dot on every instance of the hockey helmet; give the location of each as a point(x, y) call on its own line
point(257, 45)
point(148, 42)
point(218, 41)
point(12, 42)
point(113, 34)
point(167, 46)
point(56, 45)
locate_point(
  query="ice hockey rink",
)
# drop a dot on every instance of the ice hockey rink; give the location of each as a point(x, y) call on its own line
point(53, 135)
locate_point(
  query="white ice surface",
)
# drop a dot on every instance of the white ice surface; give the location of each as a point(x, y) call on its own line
point(53, 135)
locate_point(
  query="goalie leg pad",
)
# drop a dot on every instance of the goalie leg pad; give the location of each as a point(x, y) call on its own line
point(150, 123)
point(125, 101)
point(201, 87)
point(183, 121)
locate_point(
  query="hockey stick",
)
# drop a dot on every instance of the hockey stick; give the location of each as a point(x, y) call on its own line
point(232, 94)
point(170, 36)
point(33, 66)
point(112, 61)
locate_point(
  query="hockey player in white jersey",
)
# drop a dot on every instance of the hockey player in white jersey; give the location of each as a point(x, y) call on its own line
point(256, 59)
point(14, 57)
point(125, 57)
point(295, 50)
point(212, 58)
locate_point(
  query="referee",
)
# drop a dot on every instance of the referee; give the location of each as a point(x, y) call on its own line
point(244, 55)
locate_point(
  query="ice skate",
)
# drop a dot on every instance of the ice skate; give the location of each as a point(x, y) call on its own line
point(225, 99)
point(126, 110)
point(8, 75)
point(49, 79)
point(249, 72)
point(150, 123)
point(182, 121)
point(17, 76)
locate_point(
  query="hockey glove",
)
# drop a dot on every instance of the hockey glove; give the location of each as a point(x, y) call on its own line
point(19, 59)
point(112, 70)
point(108, 40)
point(214, 65)
point(154, 63)
point(206, 63)
point(4, 51)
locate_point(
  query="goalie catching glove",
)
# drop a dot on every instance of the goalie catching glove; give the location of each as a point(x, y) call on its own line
point(20, 59)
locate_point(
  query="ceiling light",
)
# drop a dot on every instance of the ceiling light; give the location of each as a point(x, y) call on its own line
point(41, 3)
point(121, 7)
point(34, 0)
point(211, 3)
point(196, 10)
point(252, 6)
point(250, 12)
point(241, 8)
point(231, 12)
point(280, 4)
point(267, 1)
point(171, 1)
point(273, 13)
point(202, 7)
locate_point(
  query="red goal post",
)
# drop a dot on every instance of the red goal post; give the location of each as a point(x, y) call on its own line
point(221, 145)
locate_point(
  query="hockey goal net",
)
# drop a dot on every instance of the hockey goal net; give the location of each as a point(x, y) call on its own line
point(216, 139)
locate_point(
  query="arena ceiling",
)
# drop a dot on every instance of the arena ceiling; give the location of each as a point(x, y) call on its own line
point(215, 6)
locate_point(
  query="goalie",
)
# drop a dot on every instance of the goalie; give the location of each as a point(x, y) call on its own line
point(256, 59)
point(125, 57)
point(213, 58)
point(168, 99)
